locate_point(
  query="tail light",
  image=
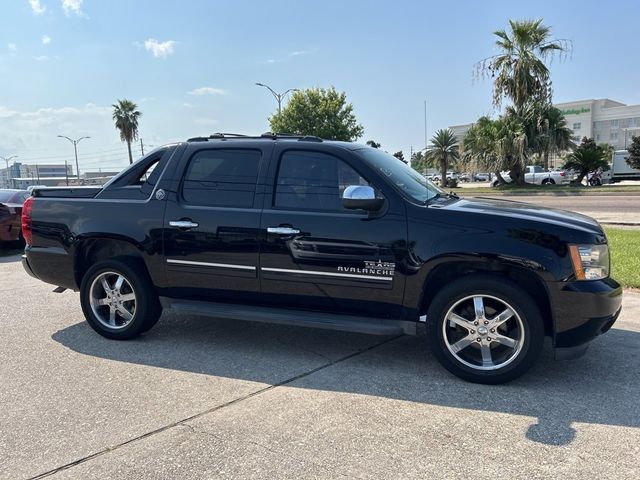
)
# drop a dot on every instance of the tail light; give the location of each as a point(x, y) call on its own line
point(563, 173)
point(27, 225)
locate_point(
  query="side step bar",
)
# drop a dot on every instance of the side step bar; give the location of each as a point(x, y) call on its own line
point(299, 318)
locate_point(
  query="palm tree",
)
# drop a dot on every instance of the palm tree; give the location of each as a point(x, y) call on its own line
point(444, 149)
point(586, 158)
point(498, 145)
point(519, 71)
point(126, 116)
point(547, 131)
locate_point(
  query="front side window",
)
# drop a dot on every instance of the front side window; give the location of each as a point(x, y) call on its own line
point(313, 181)
point(400, 175)
point(222, 178)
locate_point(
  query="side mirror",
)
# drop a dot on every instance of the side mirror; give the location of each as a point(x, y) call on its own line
point(361, 197)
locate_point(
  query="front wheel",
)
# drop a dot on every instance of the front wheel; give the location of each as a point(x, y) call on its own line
point(548, 181)
point(485, 329)
point(118, 299)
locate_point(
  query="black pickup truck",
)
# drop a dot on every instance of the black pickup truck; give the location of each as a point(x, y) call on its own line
point(303, 231)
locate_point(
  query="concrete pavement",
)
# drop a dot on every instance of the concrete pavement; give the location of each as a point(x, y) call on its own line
point(197, 398)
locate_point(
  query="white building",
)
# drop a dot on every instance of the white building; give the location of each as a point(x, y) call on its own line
point(604, 120)
point(20, 175)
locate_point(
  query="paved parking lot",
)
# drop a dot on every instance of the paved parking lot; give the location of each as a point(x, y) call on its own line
point(196, 398)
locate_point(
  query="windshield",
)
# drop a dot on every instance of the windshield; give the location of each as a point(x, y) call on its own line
point(401, 175)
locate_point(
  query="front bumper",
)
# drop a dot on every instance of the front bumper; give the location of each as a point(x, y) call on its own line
point(582, 310)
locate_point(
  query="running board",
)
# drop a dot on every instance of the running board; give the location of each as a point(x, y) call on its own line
point(298, 318)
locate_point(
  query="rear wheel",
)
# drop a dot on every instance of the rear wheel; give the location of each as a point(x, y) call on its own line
point(118, 299)
point(485, 329)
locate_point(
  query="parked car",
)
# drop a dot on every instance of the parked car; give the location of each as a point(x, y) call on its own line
point(537, 175)
point(303, 231)
point(10, 210)
point(481, 177)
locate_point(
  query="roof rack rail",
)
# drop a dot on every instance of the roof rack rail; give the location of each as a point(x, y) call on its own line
point(310, 138)
point(271, 135)
point(224, 135)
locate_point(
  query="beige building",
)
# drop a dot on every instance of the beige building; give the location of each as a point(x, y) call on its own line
point(604, 120)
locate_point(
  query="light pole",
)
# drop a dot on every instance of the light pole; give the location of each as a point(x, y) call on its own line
point(278, 96)
point(75, 149)
point(6, 159)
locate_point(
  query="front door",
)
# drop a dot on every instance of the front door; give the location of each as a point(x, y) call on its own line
point(211, 226)
point(318, 255)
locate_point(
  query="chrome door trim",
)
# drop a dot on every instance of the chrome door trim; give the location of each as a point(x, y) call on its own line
point(208, 264)
point(326, 274)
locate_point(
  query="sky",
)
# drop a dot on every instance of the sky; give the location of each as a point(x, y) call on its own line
point(191, 66)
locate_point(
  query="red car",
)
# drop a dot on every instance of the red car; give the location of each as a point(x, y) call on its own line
point(10, 210)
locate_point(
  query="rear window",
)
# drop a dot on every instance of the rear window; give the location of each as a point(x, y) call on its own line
point(222, 178)
point(11, 196)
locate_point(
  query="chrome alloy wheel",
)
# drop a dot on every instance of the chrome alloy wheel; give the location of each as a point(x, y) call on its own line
point(113, 300)
point(483, 332)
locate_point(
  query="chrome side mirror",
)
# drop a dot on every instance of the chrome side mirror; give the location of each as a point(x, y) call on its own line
point(361, 197)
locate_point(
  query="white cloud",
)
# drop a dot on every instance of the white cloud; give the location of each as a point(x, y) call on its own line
point(206, 91)
point(73, 6)
point(46, 39)
point(22, 129)
point(36, 7)
point(12, 47)
point(297, 53)
point(159, 49)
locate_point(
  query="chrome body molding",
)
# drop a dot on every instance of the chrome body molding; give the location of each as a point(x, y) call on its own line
point(208, 264)
point(326, 274)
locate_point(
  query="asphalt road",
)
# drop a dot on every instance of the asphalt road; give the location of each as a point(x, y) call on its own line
point(196, 398)
point(623, 209)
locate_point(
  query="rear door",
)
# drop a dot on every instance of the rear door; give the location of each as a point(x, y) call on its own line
point(211, 227)
point(317, 254)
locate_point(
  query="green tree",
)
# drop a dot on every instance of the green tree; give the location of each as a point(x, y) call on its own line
point(126, 116)
point(399, 155)
point(373, 144)
point(419, 162)
point(547, 131)
point(324, 113)
point(497, 145)
point(586, 158)
point(443, 151)
point(634, 152)
point(519, 71)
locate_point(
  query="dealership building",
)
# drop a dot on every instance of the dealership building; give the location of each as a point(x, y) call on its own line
point(604, 120)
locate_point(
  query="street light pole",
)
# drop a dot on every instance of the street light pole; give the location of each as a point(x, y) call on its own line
point(75, 149)
point(278, 96)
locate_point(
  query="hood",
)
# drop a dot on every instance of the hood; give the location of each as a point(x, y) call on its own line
point(525, 211)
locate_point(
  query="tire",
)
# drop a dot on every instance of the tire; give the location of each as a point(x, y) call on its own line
point(134, 302)
point(548, 181)
point(522, 334)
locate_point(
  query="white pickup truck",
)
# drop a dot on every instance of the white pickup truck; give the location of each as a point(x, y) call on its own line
point(536, 174)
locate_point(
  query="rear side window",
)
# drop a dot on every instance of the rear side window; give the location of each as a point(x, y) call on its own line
point(222, 178)
point(313, 181)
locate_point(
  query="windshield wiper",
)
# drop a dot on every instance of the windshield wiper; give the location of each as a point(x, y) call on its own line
point(442, 195)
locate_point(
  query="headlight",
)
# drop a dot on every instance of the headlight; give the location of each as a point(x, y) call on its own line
point(590, 262)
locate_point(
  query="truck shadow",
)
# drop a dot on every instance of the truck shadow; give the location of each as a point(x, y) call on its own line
point(601, 388)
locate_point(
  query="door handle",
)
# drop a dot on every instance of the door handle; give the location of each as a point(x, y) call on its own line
point(283, 230)
point(186, 224)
